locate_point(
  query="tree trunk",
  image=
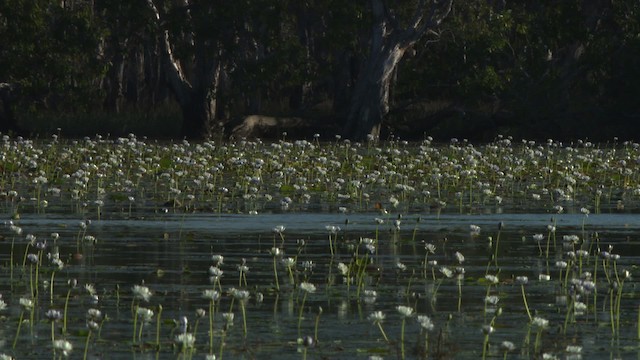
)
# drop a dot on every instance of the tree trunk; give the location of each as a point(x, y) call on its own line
point(195, 89)
point(370, 99)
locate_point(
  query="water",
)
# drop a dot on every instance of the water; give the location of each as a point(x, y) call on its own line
point(172, 253)
point(161, 212)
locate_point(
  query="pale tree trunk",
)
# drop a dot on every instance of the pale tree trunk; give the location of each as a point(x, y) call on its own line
point(195, 88)
point(370, 98)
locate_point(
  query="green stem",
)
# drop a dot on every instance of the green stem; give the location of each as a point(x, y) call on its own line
point(526, 305)
point(86, 345)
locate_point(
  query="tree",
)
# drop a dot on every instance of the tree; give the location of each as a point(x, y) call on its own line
point(194, 79)
point(388, 44)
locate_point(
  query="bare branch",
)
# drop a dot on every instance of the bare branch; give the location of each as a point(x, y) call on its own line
point(176, 74)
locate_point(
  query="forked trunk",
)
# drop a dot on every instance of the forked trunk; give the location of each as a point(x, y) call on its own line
point(370, 99)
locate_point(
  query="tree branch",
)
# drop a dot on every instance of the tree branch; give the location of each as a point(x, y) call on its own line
point(176, 74)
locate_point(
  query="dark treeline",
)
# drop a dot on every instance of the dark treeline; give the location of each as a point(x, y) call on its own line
point(473, 68)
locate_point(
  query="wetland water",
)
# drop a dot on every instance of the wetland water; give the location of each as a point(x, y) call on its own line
point(314, 268)
point(172, 253)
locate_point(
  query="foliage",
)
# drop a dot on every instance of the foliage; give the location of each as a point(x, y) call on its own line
point(517, 67)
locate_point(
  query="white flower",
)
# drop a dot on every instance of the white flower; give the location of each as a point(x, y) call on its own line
point(487, 329)
point(27, 304)
point(425, 322)
point(308, 287)
point(94, 314)
point(289, 262)
point(215, 272)
point(186, 339)
point(522, 280)
point(279, 229)
point(90, 289)
point(376, 317)
point(574, 349)
point(217, 259)
point(405, 311)
point(64, 346)
point(459, 257)
point(332, 229)
point(212, 295)
point(344, 269)
point(53, 315)
point(430, 248)
point(508, 346)
point(446, 271)
point(492, 279)
point(141, 292)
point(540, 322)
point(491, 300)
point(145, 314)
point(228, 317)
point(241, 295)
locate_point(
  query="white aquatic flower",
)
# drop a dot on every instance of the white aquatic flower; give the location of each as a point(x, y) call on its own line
point(376, 317)
point(425, 322)
point(3, 305)
point(187, 340)
point(90, 289)
point(141, 292)
point(544, 277)
point(459, 257)
point(332, 229)
point(27, 304)
point(404, 311)
point(64, 346)
point(308, 287)
point(145, 314)
point(446, 271)
point(215, 272)
point(241, 295)
point(211, 295)
point(523, 280)
point(289, 262)
point(508, 346)
point(487, 329)
point(53, 315)
point(573, 349)
point(491, 300)
point(279, 229)
point(370, 296)
point(474, 230)
point(538, 237)
point(430, 248)
point(228, 317)
point(400, 266)
point(540, 322)
point(217, 259)
point(492, 279)
point(344, 269)
point(94, 314)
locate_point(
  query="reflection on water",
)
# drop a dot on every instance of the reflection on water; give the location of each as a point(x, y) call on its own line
point(171, 254)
